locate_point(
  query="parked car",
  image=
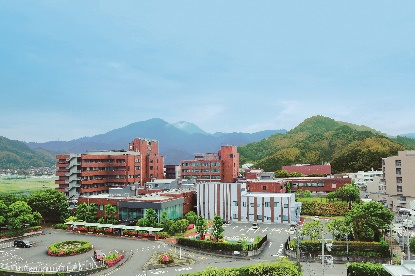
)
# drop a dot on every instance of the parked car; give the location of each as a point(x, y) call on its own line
point(22, 243)
point(316, 218)
point(98, 255)
point(255, 225)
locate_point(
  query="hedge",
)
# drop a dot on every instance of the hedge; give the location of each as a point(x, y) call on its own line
point(316, 208)
point(19, 232)
point(367, 249)
point(367, 269)
point(225, 246)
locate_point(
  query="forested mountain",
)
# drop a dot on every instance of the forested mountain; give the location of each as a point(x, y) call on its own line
point(321, 139)
point(177, 142)
point(17, 155)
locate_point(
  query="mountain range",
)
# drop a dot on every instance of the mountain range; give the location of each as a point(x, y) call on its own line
point(177, 142)
point(316, 140)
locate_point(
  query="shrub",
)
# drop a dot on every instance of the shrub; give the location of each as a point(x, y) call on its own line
point(368, 269)
point(60, 226)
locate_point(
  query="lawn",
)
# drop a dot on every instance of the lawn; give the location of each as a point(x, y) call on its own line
point(25, 185)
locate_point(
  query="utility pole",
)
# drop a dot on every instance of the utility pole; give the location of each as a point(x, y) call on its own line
point(322, 249)
point(298, 249)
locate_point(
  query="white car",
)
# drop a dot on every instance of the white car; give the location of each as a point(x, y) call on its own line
point(316, 218)
point(255, 225)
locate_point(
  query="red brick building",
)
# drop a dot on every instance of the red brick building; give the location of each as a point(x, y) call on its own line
point(212, 167)
point(306, 169)
point(317, 184)
point(95, 172)
point(266, 186)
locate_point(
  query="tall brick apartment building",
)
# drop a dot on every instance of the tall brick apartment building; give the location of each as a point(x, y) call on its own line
point(94, 173)
point(212, 167)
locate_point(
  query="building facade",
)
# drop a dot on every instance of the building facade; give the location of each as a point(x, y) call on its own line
point(317, 184)
point(94, 173)
point(232, 201)
point(399, 176)
point(212, 167)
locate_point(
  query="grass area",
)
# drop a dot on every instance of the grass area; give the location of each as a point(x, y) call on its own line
point(25, 185)
point(312, 199)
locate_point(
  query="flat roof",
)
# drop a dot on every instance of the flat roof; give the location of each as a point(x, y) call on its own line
point(285, 195)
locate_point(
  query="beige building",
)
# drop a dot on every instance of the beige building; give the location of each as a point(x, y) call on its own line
point(399, 175)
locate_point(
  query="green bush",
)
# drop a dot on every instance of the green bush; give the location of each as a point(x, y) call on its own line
point(281, 267)
point(367, 249)
point(316, 208)
point(60, 226)
point(367, 269)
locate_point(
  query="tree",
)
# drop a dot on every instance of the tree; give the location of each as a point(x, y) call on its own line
point(110, 215)
point(217, 228)
point(312, 229)
point(181, 225)
point(368, 220)
point(348, 193)
point(201, 226)
point(20, 213)
point(51, 204)
point(81, 211)
point(288, 187)
point(191, 217)
point(339, 229)
point(412, 244)
point(281, 174)
point(151, 217)
point(164, 220)
point(91, 213)
point(3, 213)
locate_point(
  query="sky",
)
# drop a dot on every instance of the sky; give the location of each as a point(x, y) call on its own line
point(70, 69)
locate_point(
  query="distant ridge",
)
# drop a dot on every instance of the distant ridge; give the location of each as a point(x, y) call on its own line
point(178, 141)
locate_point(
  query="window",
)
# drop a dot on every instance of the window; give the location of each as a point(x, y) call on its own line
point(185, 164)
point(398, 163)
point(259, 217)
point(398, 170)
point(196, 164)
point(235, 203)
point(285, 205)
point(267, 204)
point(264, 188)
point(151, 167)
point(399, 180)
point(137, 167)
point(101, 207)
point(399, 189)
point(244, 204)
point(206, 176)
point(196, 170)
point(205, 170)
point(235, 216)
point(275, 204)
point(251, 204)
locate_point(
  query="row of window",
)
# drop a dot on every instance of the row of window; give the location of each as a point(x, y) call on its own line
point(197, 164)
point(201, 177)
point(259, 217)
point(203, 170)
point(266, 204)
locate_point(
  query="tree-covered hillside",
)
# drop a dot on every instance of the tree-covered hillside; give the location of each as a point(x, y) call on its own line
point(17, 155)
point(321, 139)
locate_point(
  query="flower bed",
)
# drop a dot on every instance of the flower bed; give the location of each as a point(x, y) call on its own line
point(113, 259)
point(165, 258)
point(69, 248)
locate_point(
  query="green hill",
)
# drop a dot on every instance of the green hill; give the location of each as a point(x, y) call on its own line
point(17, 155)
point(320, 139)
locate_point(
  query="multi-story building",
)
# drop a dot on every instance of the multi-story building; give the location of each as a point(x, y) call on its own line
point(362, 178)
point(172, 171)
point(399, 175)
point(307, 169)
point(213, 167)
point(94, 173)
point(232, 201)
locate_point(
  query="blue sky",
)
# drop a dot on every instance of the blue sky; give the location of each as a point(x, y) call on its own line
point(79, 68)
